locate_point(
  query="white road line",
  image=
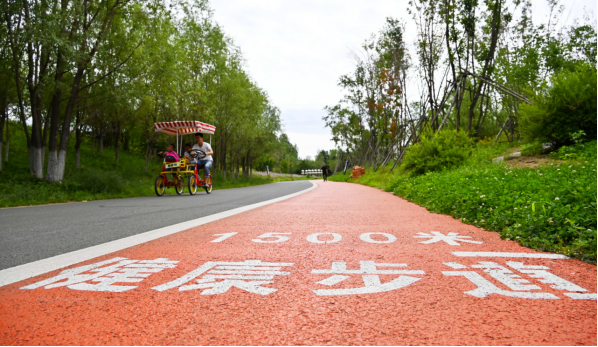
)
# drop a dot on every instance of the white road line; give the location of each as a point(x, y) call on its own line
point(36, 268)
point(510, 255)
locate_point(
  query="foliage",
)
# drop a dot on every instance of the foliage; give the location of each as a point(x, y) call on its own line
point(133, 64)
point(576, 151)
point(567, 106)
point(437, 151)
point(477, 63)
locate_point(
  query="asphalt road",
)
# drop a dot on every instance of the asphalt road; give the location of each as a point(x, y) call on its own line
point(33, 233)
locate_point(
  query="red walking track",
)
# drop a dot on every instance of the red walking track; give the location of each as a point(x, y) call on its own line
point(434, 310)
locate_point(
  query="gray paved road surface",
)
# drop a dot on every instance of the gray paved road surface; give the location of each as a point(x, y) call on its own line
point(32, 233)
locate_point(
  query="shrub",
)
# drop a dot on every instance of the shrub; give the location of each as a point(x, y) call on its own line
point(436, 152)
point(567, 107)
point(579, 150)
point(534, 148)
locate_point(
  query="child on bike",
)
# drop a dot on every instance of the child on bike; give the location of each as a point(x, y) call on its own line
point(170, 152)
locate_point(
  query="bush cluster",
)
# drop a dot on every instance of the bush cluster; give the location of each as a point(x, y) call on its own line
point(566, 107)
point(436, 152)
point(579, 150)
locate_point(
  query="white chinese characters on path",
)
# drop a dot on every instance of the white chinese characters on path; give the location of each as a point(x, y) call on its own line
point(371, 278)
point(539, 272)
point(218, 277)
point(452, 239)
point(101, 278)
point(520, 288)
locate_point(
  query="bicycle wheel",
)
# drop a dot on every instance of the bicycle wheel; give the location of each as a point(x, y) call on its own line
point(209, 186)
point(179, 184)
point(192, 185)
point(160, 186)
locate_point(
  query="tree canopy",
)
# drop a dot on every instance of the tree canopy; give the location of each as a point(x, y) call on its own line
point(472, 67)
point(106, 70)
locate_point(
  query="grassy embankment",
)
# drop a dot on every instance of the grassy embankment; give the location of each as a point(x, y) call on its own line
point(98, 178)
point(549, 208)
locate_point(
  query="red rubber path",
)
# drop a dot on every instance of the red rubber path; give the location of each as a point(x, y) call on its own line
point(433, 310)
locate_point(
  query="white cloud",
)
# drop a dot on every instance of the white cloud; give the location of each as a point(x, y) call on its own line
point(297, 50)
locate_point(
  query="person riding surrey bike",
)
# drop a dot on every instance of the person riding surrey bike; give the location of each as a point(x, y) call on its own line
point(202, 152)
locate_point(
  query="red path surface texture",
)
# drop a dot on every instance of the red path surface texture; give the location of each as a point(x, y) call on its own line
point(365, 280)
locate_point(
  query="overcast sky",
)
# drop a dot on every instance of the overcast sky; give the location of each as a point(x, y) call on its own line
point(297, 49)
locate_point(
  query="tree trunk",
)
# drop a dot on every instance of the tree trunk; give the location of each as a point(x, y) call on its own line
point(55, 120)
point(117, 142)
point(78, 140)
point(126, 140)
point(3, 117)
point(101, 143)
point(147, 155)
point(45, 134)
point(224, 171)
point(248, 163)
point(58, 171)
point(7, 139)
point(93, 141)
point(78, 157)
point(16, 61)
point(496, 15)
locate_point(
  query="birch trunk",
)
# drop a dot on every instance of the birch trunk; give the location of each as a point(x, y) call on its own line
point(38, 161)
point(52, 165)
point(101, 144)
point(78, 158)
point(78, 140)
point(7, 141)
point(117, 142)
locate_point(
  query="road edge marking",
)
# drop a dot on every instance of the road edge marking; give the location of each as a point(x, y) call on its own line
point(40, 267)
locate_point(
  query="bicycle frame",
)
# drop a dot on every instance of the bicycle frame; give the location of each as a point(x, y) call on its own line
point(198, 179)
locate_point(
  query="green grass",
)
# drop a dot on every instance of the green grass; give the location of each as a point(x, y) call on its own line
point(552, 208)
point(98, 178)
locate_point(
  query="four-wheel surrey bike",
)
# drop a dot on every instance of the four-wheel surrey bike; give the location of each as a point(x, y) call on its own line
point(173, 173)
